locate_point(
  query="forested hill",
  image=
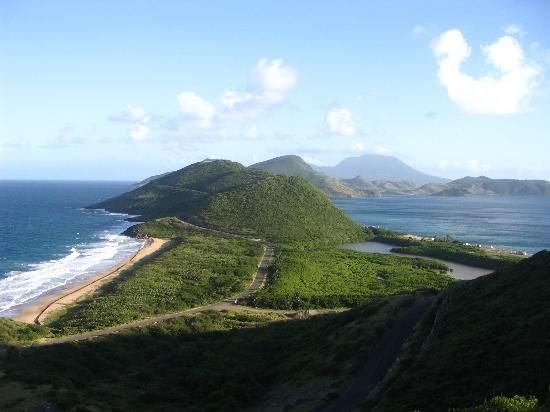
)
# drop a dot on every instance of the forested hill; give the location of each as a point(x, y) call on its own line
point(485, 337)
point(228, 195)
point(485, 186)
point(291, 165)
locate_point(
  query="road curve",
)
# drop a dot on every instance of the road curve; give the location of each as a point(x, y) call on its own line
point(259, 278)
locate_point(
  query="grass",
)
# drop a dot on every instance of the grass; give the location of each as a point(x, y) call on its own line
point(453, 251)
point(507, 404)
point(12, 332)
point(331, 277)
point(487, 337)
point(251, 201)
point(282, 209)
point(207, 362)
point(199, 268)
point(168, 228)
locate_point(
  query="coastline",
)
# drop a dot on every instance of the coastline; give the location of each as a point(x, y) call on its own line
point(35, 313)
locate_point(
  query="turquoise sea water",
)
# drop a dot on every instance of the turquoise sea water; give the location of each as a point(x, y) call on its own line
point(513, 222)
point(48, 241)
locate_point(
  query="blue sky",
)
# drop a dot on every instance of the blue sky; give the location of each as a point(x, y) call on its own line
point(125, 89)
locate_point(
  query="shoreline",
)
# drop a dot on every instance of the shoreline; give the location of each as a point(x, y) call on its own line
point(35, 313)
point(458, 271)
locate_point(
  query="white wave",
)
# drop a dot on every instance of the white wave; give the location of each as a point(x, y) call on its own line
point(19, 288)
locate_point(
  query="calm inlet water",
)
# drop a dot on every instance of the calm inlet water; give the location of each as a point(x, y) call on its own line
point(513, 222)
point(47, 239)
point(458, 271)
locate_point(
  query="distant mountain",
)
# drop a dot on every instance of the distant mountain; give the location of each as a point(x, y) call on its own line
point(291, 165)
point(381, 187)
point(482, 338)
point(485, 186)
point(228, 195)
point(377, 167)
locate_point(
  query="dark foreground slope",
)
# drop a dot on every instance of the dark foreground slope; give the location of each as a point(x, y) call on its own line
point(227, 195)
point(225, 361)
point(486, 337)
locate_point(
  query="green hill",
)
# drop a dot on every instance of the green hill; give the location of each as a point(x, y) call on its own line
point(291, 165)
point(381, 187)
point(283, 209)
point(485, 186)
point(249, 200)
point(484, 338)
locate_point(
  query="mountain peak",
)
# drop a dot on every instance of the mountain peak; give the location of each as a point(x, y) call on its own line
point(378, 167)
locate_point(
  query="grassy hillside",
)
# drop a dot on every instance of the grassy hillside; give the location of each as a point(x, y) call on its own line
point(208, 362)
point(485, 337)
point(331, 278)
point(282, 209)
point(12, 332)
point(451, 250)
point(184, 192)
point(294, 166)
point(199, 268)
point(381, 187)
point(485, 186)
point(228, 195)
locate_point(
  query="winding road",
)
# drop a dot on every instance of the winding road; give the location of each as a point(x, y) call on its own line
point(259, 279)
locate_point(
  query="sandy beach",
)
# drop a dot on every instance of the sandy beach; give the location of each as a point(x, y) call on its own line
point(49, 303)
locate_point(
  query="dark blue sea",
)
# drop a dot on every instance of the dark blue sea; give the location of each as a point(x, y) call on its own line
point(48, 240)
point(511, 222)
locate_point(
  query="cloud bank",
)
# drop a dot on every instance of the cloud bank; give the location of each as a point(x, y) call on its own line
point(340, 121)
point(504, 93)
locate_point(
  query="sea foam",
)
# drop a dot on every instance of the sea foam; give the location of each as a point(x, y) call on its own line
point(18, 288)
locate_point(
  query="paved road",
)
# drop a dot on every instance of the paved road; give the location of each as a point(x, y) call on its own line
point(228, 304)
point(380, 359)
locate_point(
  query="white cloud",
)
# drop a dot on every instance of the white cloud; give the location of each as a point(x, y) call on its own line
point(504, 94)
point(139, 131)
point(271, 81)
point(66, 136)
point(200, 111)
point(418, 29)
point(340, 121)
point(252, 132)
point(514, 30)
point(381, 150)
point(138, 119)
point(358, 147)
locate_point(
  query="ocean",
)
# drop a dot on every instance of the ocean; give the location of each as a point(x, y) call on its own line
point(48, 240)
point(510, 222)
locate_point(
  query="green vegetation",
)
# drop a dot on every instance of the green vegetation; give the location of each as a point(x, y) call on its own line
point(331, 278)
point(507, 404)
point(168, 228)
point(197, 269)
point(486, 337)
point(447, 249)
point(381, 187)
point(294, 166)
point(12, 332)
point(207, 362)
point(248, 200)
point(485, 186)
point(282, 209)
point(185, 192)
point(460, 253)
